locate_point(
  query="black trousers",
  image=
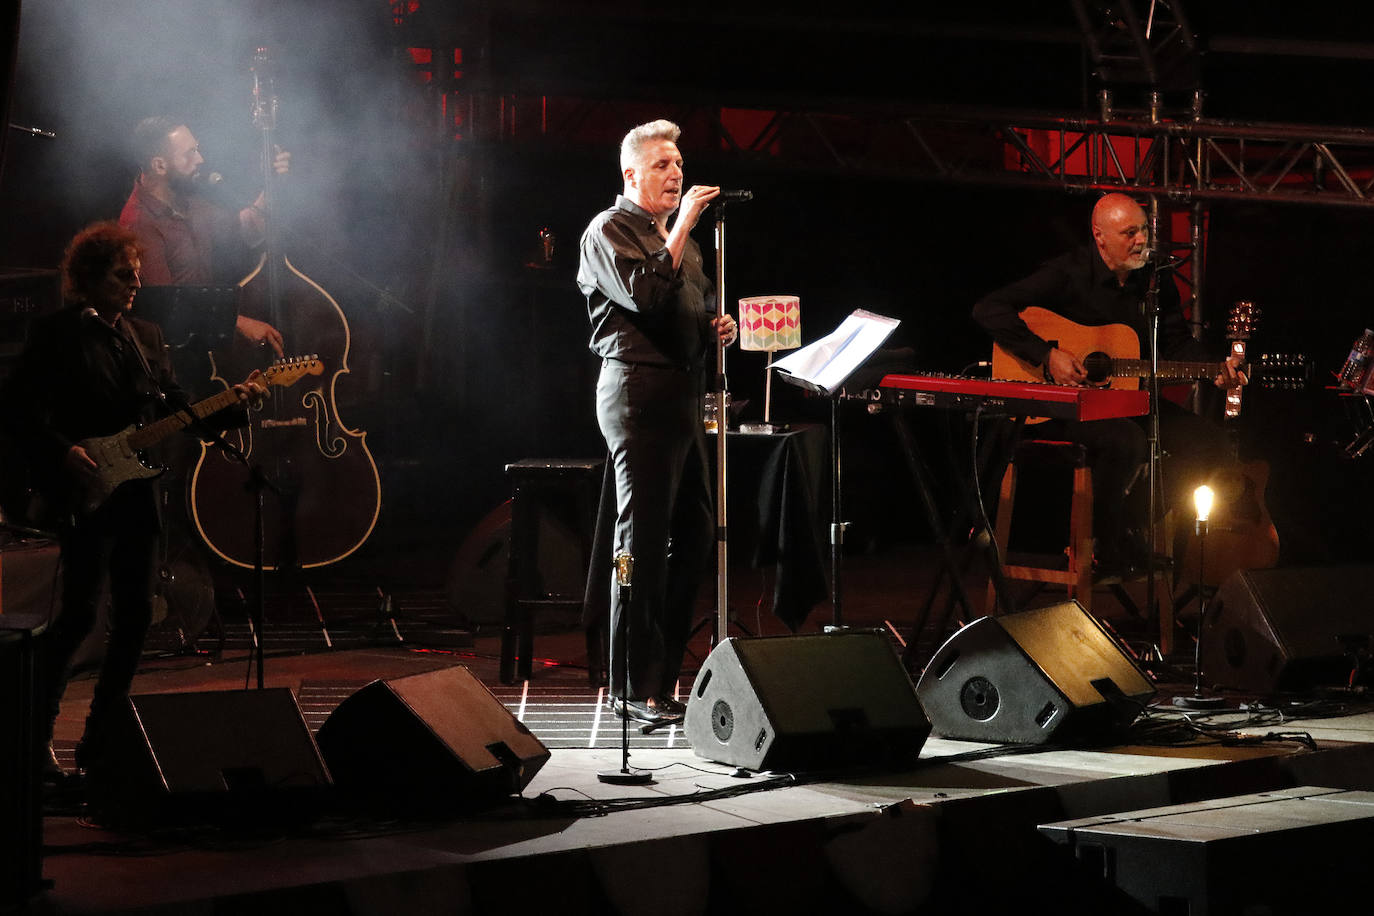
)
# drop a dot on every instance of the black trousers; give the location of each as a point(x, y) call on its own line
point(120, 540)
point(650, 418)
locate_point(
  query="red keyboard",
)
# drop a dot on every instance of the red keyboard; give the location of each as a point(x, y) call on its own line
point(1017, 399)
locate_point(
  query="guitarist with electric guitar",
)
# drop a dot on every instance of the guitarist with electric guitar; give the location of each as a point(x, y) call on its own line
point(1107, 283)
point(88, 375)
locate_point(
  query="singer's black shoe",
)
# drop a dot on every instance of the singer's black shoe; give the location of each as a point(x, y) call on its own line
point(646, 711)
point(670, 705)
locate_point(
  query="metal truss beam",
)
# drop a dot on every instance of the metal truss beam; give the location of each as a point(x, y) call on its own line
point(1152, 46)
point(1183, 161)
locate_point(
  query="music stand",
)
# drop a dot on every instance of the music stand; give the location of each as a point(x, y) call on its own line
point(188, 312)
point(824, 367)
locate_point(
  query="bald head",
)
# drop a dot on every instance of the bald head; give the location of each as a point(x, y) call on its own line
point(1121, 233)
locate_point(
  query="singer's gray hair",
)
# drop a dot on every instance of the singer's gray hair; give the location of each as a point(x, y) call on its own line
point(632, 147)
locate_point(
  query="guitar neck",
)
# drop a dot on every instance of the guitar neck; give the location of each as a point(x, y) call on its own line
point(1168, 369)
point(154, 433)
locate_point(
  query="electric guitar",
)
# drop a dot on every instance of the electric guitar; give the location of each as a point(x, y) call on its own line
point(1113, 357)
point(118, 457)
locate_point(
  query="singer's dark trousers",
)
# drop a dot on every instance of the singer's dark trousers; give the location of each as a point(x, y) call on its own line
point(651, 419)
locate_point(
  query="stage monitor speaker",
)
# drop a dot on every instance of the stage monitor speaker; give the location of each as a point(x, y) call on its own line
point(433, 742)
point(1270, 630)
point(1048, 674)
point(219, 755)
point(805, 703)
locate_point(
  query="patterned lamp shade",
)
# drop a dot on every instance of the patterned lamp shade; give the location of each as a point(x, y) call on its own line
point(770, 323)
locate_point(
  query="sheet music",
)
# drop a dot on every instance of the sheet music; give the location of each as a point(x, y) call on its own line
point(828, 362)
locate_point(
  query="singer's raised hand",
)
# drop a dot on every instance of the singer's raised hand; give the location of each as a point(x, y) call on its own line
point(695, 202)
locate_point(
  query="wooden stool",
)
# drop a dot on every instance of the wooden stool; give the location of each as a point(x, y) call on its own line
point(1075, 569)
point(535, 484)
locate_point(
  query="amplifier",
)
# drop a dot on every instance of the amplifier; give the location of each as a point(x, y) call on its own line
point(24, 295)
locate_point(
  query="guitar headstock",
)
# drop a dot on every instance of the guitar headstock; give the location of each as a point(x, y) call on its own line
point(1282, 371)
point(1240, 323)
point(286, 372)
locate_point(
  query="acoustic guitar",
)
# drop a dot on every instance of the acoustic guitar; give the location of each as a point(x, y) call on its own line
point(1111, 355)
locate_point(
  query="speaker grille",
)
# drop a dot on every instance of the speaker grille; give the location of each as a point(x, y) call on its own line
point(980, 699)
point(722, 720)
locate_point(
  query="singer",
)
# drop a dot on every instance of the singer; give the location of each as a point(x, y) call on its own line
point(186, 238)
point(92, 370)
point(652, 325)
point(1105, 282)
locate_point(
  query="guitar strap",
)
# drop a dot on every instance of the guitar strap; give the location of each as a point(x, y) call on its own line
point(124, 330)
point(127, 334)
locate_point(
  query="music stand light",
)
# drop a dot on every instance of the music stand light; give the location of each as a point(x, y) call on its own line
point(768, 324)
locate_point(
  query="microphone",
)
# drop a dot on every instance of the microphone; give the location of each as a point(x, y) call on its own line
point(219, 191)
point(1161, 261)
point(734, 196)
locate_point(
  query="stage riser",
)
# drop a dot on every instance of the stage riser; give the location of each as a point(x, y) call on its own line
point(1278, 852)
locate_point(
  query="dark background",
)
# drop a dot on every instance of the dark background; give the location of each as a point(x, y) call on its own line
point(465, 358)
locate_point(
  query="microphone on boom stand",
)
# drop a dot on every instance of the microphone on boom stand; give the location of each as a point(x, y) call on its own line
point(733, 197)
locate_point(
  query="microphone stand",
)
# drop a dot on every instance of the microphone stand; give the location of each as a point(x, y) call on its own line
point(720, 394)
point(624, 572)
point(178, 406)
point(257, 484)
point(1152, 314)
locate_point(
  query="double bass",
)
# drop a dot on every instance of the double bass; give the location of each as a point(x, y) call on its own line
point(321, 491)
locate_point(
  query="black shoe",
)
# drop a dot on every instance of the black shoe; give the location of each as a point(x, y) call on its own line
point(670, 705)
point(643, 711)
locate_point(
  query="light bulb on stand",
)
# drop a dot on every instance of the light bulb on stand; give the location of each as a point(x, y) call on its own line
point(1203, 498)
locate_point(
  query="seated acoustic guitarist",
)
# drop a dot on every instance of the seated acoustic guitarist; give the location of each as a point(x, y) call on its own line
point(1106, 283)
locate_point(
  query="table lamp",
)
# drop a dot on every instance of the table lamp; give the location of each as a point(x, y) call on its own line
point(769, 324)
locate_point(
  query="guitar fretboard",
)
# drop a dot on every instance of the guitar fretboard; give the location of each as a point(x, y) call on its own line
point(1178, 369)
point(153, 433)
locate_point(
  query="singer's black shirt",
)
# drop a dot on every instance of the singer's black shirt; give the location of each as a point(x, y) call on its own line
point(641, 309)
point(1078, 286)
